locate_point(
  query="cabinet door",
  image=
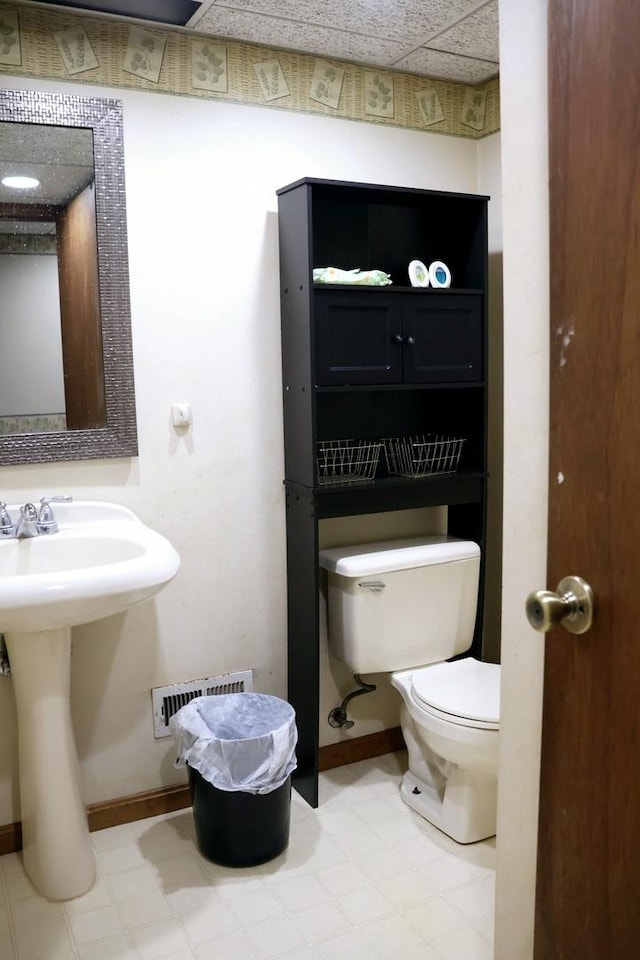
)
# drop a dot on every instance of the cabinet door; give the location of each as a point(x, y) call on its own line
point(443, 338)
point(358, 337)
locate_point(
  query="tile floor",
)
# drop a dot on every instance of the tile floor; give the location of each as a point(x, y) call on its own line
point(364, 878)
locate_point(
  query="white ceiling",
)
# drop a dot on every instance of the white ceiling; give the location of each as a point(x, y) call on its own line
point(453, 39)
point(448, 39)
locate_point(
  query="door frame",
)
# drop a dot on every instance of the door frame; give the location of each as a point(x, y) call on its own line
point(523, 87)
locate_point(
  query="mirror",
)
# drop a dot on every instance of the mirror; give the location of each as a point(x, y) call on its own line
point(66, 365)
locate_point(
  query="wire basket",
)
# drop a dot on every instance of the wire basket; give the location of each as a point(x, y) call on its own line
point(347, 461)
point(423, 456)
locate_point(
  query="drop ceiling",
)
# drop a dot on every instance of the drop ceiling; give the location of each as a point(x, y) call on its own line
point(447, 39)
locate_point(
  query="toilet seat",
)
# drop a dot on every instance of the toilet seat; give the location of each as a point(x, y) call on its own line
point(465, 692)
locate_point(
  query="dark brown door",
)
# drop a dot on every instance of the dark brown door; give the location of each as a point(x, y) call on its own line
point(588, 882)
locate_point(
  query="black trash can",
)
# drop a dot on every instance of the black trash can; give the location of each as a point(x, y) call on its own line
point(239, 750)
point(238, 829)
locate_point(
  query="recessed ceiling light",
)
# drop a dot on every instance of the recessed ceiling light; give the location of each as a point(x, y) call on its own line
point(20, 183)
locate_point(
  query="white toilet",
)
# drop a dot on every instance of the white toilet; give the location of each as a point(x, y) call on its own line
point(404, 607)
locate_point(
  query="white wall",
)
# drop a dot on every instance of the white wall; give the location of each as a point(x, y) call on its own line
point(490, 183)
point(31, 378)
point(526, 351)
point(201, 180)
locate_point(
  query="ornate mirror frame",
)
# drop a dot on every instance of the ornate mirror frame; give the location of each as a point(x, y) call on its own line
point(118, 438)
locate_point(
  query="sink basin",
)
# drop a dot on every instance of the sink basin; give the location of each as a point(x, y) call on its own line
point(102, 560)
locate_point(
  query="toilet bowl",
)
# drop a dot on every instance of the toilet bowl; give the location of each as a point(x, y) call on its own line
point(406, 608)
point(449, 720)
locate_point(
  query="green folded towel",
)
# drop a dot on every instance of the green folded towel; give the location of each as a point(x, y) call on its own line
point(371, 278)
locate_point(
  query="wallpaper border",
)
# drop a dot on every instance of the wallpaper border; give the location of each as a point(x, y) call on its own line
point(60, 45)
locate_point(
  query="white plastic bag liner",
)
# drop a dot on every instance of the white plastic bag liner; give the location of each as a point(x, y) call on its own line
point(237, 741)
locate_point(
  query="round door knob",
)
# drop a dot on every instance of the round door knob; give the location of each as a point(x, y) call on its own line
point(572, 605)
point(544, 608)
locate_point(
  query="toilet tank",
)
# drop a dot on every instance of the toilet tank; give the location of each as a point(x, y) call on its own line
point(401, 603)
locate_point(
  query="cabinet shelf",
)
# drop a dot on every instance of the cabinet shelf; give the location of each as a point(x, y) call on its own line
point(361, 363)
point(356, 288)
point(392, 493)
point(396, 387)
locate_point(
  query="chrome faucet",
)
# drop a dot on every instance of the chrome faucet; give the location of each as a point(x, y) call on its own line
point(7, 526)
point(27, 525)
point(31, 522)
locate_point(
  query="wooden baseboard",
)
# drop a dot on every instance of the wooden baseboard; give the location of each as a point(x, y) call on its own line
point(111, 813)
point(138, 806)
point(10, 838)
point(152, 803)
point(360, 748)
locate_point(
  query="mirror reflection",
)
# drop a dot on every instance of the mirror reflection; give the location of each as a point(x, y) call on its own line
point(66, 360)
point(49, 279)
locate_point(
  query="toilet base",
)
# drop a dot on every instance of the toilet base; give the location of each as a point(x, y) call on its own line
point(466, 811)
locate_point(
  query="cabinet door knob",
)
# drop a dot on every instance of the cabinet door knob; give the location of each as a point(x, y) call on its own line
point(410, 341)
point(397, 338)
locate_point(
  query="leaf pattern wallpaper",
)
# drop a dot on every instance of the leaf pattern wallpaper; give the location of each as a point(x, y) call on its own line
point(64, 45)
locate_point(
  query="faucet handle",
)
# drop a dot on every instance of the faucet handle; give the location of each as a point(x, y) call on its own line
point(7, 526)
point(47, 523)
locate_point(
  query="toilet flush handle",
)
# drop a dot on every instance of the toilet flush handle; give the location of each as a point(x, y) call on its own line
point(376, 586)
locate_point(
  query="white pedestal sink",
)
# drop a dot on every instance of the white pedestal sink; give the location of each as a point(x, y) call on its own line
point(102, 560)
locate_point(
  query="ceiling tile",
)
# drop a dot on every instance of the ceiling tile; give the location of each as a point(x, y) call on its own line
point(289, 34)
point(448, 66)
point(401, 20)
point(475, 36)
point(448, 39)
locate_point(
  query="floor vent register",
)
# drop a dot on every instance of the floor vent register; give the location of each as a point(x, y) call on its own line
point(169, 699)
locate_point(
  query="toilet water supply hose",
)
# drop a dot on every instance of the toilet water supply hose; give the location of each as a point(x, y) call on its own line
point(338, 716)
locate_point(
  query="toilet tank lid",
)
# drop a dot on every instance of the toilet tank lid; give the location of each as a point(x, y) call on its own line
point(367, 559)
